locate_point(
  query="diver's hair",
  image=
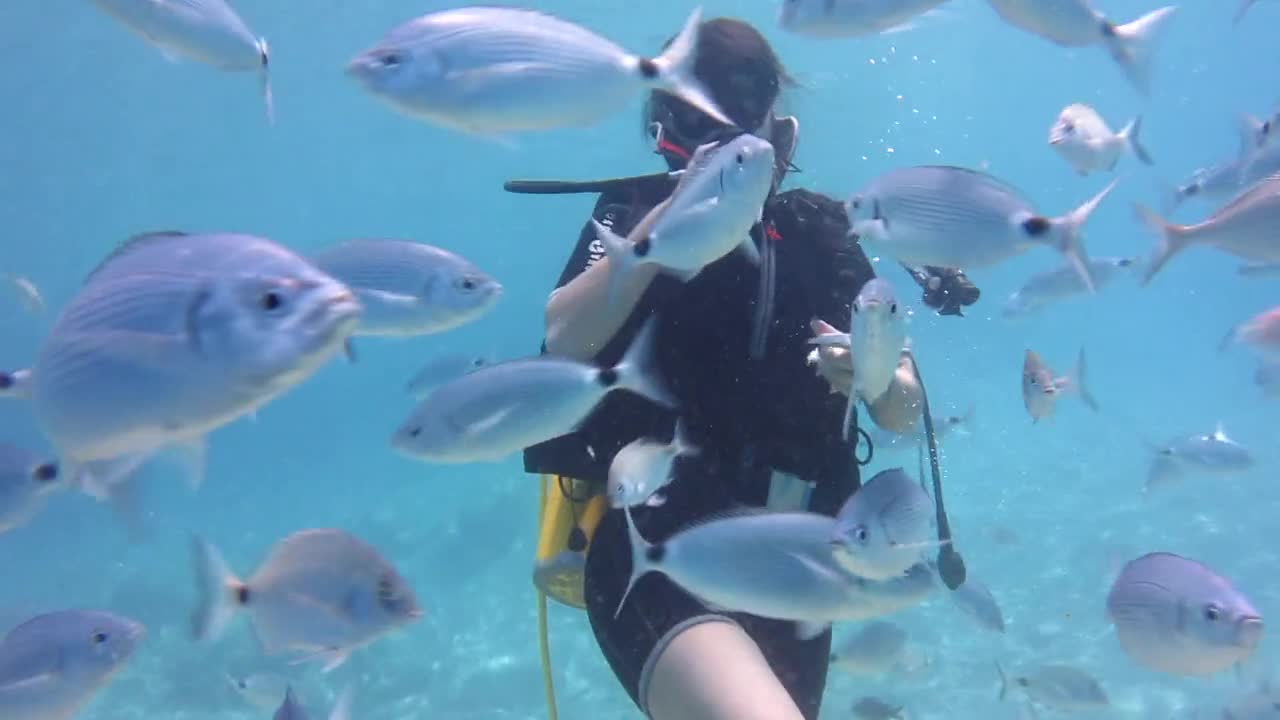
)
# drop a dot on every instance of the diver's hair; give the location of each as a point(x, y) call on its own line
point(727, 46)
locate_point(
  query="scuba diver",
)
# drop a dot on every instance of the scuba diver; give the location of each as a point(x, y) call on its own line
point(731, 345)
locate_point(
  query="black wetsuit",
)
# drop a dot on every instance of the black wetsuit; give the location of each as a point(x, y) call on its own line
point(746, 415)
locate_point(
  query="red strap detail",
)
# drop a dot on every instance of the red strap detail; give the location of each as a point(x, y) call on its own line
point(772, 233)
point(673, 149)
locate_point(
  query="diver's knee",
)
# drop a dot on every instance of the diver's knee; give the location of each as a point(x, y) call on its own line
point(709, 668)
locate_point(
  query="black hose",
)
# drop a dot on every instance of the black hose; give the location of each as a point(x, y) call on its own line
point(950, 565)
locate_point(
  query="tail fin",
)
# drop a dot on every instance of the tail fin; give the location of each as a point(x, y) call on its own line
point(636, 370)
point(622, 261)
point(342, 707)
point(673, 70)
point(1068, 233)
point(16, 384)
point(640, 563)
point(1080, 382)
point(1132, 45)
point(1170, 240)
point(1130, 135)
point(1244, 8)
point(218, 588)
point(1004, 682)
point(268, 98)
point(680, 441)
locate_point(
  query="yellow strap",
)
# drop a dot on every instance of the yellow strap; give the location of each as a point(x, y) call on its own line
point(544, 647)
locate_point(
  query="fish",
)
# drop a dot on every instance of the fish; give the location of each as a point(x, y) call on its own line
point(874, 649)
point(1262, 332)
point(1075, 23)
point(947, 216)
point(1222, 181)
point(492, 412)
point(171, 337)
point(1242, 10)
point(291, 709)
point(1256, 270)
point(321, 594)
point(943, 426)
point(1203, 453)
point(1177, 615)
point(491, 71)
point(409, 288)
point(1062, 687)
point(1267, 377)
point(772, 565)
point(884, 528)
point(975, 600)
point(27, 293)
point(261, 690)
point(1087, 143)
point(877, 334)
point(1244, 227)
point(15, 384)
point(1256, 137)
point(643, 467)
point(206, 31)
point(25, 480)
point(54, 664)
point(872, 708)
point(444, 368)
point(851, 18)
point(710, 213)
point(1062, 283)
point(1041, 390)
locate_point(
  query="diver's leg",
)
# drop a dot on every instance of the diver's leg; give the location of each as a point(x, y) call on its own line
point(711, 669)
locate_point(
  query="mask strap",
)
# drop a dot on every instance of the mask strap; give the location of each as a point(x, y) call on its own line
point(664, 146)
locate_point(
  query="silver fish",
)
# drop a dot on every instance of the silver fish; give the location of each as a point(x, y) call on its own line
point(851, 18)
point(173, 336)
point(1075, 23)
point(27, 293)
point(1262, 332)
point(291, 709)
point(1256, 138)
point(976, 601)
point(1178, 616)
point(261, 690)
point(943, 426)
point(1061, 283)
point(643, 467)
point(1267, 377)
point(52, 665)
point(490, 413)
point(874, 649)
point(948, 216)
point(15, 384)
point(1244, 227)
point(443, 369)
point(717, 200)
point(774, 565)
point(409, 288)
point(25, 480)
point(1087, 143)
point(322, 593)
point(884, 528)
point(877, 334)
point(872, 708)
point(1203, 453)
point(496, 70)
point(1041, 390)
point(1224, 180)
point(207, 31)
point(1061, 687)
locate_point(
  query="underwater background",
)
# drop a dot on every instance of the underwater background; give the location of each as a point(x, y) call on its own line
point(100, 139)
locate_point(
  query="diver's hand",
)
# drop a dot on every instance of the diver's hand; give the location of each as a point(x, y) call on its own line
point(831, 363)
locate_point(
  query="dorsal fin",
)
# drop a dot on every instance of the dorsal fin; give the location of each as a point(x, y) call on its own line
point(132, 243)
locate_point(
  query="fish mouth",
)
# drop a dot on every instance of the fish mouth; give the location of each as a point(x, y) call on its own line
point(1249, 631)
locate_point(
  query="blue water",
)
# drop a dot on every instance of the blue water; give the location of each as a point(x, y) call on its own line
point(102, 138)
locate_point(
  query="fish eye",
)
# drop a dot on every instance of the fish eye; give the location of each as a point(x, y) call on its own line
point(99, 637)
point(893, 309)
point(856, 203)
point(741, 158)
point(271, 300)
point(1212, 613)
point(467, 283)
point(390, 59)
point(415, 431)
point(860, 534)
point(387, 595)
